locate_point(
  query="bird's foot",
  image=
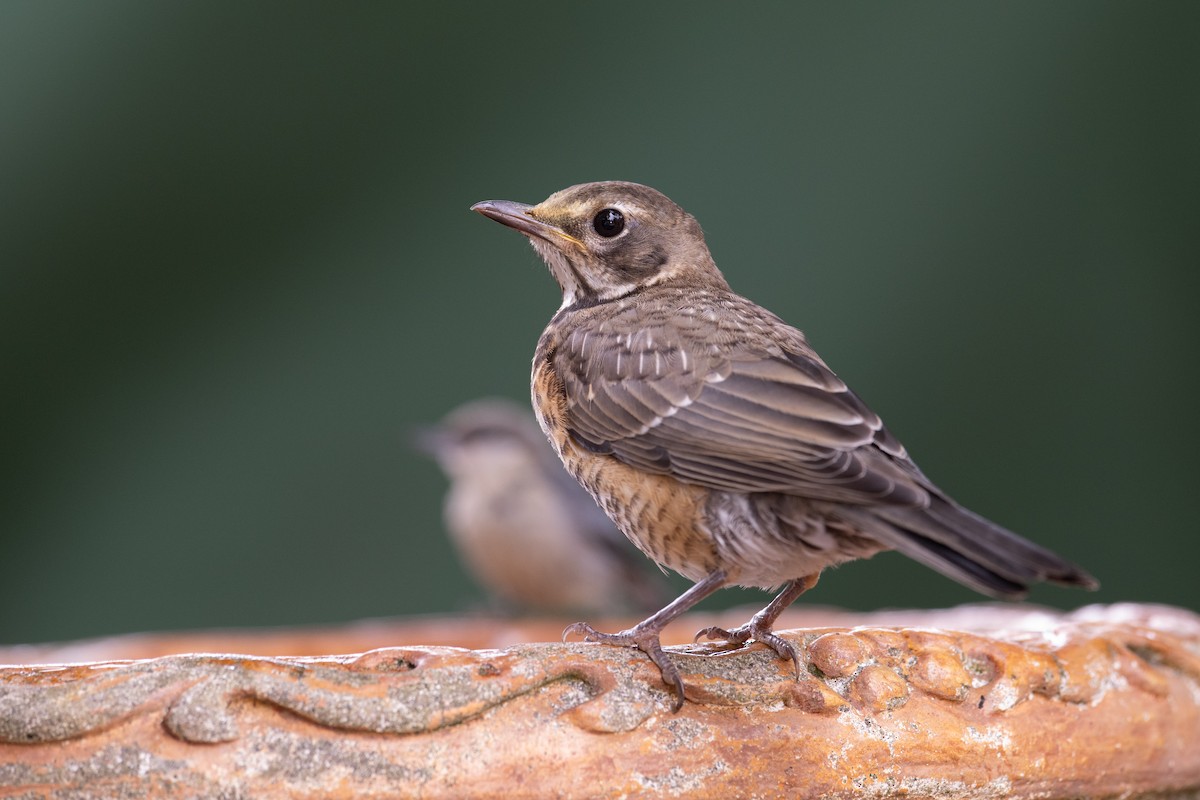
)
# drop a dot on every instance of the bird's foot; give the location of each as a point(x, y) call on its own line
point(644, 639)
point(758, 633)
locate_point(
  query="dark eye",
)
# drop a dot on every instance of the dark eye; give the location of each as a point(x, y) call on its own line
point(609, 222)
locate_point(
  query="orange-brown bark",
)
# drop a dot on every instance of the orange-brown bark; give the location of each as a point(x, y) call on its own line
point(1101, 702)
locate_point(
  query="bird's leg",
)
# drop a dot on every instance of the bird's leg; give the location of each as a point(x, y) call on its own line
point(759, 626)
point(645, 635)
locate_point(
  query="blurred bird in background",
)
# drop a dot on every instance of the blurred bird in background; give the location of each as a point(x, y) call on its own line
point(524, 528)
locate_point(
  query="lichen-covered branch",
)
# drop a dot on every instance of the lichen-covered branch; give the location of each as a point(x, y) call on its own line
point(1103, 702)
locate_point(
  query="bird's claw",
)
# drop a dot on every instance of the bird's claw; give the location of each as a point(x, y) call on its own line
point(739, 636)
point(758, 633)
point(645, 640)
point(583, 629)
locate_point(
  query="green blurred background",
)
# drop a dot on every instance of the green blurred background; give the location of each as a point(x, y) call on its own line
point(237, 267)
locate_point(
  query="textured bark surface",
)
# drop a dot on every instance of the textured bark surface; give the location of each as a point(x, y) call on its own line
point(967, 703)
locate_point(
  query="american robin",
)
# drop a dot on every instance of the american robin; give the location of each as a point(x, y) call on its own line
point(714, 435)
point(524, 528)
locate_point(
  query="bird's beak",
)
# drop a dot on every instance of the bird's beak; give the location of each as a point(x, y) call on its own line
point(432, 440)
point(516, 216)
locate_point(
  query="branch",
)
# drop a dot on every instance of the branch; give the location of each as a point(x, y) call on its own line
point(1100, 702)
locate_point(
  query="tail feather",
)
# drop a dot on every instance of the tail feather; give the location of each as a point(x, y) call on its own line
point(965, 570)
point(970, 549)
point(1026, 559)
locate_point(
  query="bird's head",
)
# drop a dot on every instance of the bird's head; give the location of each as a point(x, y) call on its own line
point(606, 240)
point(483, 436)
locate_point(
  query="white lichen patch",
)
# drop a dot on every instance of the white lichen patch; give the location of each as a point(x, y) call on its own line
point(841, 685)
point(980, 670)
point(941, 788)
point(993, 736)
point(868, 728)
point(1193, 688)
point(571, 693)
point(678, 782)
point(1107, 681)
point(681, 734)
point(1003, 696)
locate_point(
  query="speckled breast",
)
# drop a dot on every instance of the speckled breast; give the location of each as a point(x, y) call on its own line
point(660, 515)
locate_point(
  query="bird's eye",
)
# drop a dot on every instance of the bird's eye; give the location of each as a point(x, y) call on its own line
point(609, 222)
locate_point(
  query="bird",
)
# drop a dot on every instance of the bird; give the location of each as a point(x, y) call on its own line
point(524, 528)
point(715, 436)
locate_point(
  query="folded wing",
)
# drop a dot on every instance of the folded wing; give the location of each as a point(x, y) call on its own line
point(734, 418)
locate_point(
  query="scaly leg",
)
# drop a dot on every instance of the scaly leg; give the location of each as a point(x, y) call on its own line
point(759, 626)
point(645, 635)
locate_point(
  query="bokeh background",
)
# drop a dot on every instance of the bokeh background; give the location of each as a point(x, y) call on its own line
point(237, 268)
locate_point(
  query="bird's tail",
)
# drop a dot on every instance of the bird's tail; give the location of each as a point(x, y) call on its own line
point(968, 548)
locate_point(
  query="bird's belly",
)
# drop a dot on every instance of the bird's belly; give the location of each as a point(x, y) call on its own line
point(524, 547)
point(774, 538)
point(660, 515)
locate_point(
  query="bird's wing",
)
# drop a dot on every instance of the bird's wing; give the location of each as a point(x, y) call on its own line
point(675, 396)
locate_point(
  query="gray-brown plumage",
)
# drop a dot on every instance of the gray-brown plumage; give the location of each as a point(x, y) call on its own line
point(523, 527)
point(712, 433)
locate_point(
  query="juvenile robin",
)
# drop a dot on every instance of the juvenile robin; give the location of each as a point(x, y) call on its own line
point(523, 527)
point(713, 434)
